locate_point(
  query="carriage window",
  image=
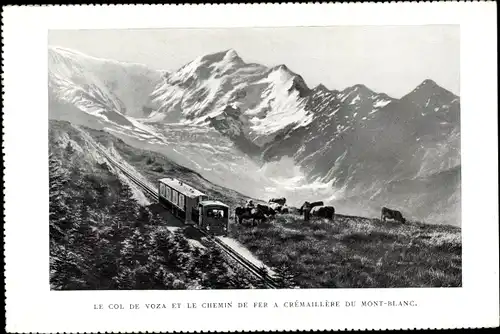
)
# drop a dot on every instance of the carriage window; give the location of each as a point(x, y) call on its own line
point(162, 189)
point(181, 200)
point(168, 193)
point(175, 196)
point(215, 213)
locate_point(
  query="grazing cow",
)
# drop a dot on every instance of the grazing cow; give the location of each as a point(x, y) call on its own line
point(241, 213)
point(319, 203)
point(258, 215)
point(310, 205)
point(392, 214)
point(284, 209)
point(280, 201)
point(266, 210)
point(275, 206)
point(249, 213)
point(323, 211)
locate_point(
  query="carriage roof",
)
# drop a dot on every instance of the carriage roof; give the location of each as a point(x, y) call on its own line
point(213, 203)
point(181, 187)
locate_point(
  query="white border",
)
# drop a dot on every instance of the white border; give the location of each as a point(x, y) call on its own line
point(31, 307)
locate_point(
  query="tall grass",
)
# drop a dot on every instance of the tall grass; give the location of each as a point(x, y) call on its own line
point(357, 252)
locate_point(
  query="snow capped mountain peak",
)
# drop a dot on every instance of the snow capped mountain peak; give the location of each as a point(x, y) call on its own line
point(204, 67)
point(295, 82)
point(231, 55)
point(247, 101)
point(284, 68)
point(283, 72)
point(59, 53)
point(104, 88)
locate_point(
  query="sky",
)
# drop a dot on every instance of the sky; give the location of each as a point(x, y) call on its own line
point(389, 59)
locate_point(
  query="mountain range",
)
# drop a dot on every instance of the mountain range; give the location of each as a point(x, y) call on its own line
point(370, 148)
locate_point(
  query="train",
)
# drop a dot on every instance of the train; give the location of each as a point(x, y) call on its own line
point(193, 207)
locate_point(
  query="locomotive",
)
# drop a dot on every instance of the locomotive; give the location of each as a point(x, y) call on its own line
point(193, 207)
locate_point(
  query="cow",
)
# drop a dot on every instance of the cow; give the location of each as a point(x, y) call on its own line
point(306, 210)
point(257, 215)
point(242, 213)
point(275, 206)
point(323, 211)
point(280, 201)
point(301, 210)
point(392, 214)
point(266, 210)
point(278, 208)
point(310, 205)
point(319, 203)
point(250, 204)
point(249, 213)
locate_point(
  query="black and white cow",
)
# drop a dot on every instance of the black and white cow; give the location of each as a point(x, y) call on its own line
point(280, 201)
point(323, 212)
point(310, 205)
point(392, 214)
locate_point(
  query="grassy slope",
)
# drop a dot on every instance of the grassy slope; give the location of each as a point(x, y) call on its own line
point(358, 252)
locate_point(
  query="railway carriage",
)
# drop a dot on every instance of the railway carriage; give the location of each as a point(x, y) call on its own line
point(214, 217)
point(193, 207)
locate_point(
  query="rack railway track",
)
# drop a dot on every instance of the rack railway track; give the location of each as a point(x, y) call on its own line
point(229, 251)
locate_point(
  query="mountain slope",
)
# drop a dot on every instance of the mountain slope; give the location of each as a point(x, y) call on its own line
point(433, 199)
point(377, 137)
point(103, 88)
point(234, 97)
point(335, 113)
point(363, 143)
